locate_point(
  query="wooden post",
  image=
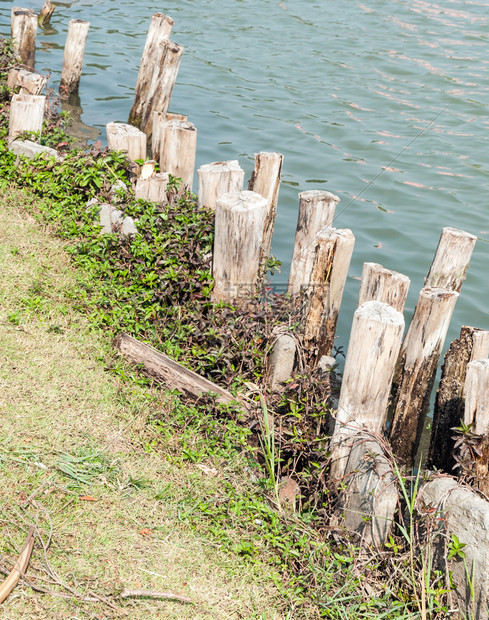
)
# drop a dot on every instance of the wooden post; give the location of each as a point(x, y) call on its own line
point(26, 114)
point(23, 32)
point(316, 211)
point(122, 137)
point(416, 369)
point(73, 57)
point(159, 31)
point(373, 350)
point(217, 179)
point(46, 12)
point(383, 285)
point(451, 260)
point(158, 119)
point(334, 249)
point(154, 91)
point(153, 189)
point(265, 180)
point(30, 83)
point(477, 414)
point(473, 344)
point(240, 218)
point(178, 146)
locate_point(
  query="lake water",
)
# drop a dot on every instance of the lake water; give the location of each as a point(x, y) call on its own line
point(345, 90)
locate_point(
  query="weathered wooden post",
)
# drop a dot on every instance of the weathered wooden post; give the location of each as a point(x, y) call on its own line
point(451, 261)
point(30, 83)
point(26, 114)
point(383, 285)
point(316, 211)
point(373, 350)
point(477, 414)
point(158, 119)
point(217, 179)
point(333, 251)
point(153, 189)
point(73, 57)
point(240, 218)
point(178, 146)
point(46, 13)
point(155, 82)
point(416, 368)
point(265, 180)
point(158, 32)
point(23, 28)
point(473, 344)
point(122, 137)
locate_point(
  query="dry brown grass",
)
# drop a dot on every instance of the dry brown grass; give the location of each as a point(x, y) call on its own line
point(57, 400)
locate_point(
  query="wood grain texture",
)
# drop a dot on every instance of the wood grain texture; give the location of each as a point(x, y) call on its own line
point(380, 284)
point(217, 179)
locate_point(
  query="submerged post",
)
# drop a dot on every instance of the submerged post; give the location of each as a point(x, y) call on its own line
point(316, 211)
point(373, 350)
point(46, 12)
point(240, 218)
point(23, 28)
point(383, 285)
point(122, 137)
point(73, 57)
point(333, 251)
point(451, 261)
point(159, 31)
point(178, 146)
point(473, 344)
point(26, 114)
point(217, 179)
point(265, 180)
point(416, 369)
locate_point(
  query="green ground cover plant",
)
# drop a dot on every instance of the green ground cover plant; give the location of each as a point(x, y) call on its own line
point(156, 286)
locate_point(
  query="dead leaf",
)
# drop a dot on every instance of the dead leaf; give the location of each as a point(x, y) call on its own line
point(87, 498)
point(145, 531)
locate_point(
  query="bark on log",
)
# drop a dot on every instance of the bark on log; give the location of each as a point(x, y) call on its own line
point(23, 32)
point(153, 189)
point(157, 85)
point(240, 218)
point(451, 261)
point(159, 31)
point(178, 146)
point(316, 212)
point(73, 57)
point(30, 83)
point(122, 137)
point(26, 114)
point(416, 369)
point(333, 252)
point(171, 373)
point(265, 180)
point(217, 179)
point(384, 285)
point(373, 350)
point(473, 344)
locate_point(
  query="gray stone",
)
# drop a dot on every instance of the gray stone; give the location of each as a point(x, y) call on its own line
point(282, 360)
point(112, 220)
point(31, 149)
point(115, 191)
point(466, 516)
point(370, 500)
point(326, 363)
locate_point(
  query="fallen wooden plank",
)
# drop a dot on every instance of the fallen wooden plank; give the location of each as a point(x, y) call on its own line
point(169, 372)
point(19, 568)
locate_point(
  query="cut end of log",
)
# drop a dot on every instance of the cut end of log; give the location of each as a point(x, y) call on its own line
point(315, 195)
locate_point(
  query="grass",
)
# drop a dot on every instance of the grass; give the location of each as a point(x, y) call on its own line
point(70, 430)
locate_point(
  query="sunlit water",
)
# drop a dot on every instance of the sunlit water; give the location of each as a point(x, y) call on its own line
point(345, 90)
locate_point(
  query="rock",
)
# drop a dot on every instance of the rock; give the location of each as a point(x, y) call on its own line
point(113, 221)
point(282, 360)
point(466, 515)
point(288, 493)
point(115, 191)
point(32, 149)
point(370, 501)
point(326, 363)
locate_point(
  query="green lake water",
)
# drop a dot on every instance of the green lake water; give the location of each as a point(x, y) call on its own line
point(347, 91)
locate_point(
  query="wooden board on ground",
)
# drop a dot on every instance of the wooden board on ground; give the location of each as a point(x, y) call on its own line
point(166, 370)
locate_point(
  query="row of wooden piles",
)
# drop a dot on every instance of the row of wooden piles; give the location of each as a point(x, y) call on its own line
point(388, 374)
